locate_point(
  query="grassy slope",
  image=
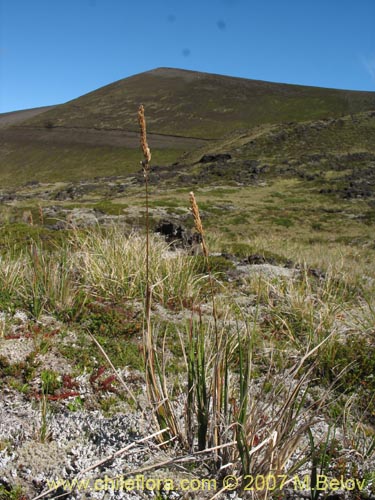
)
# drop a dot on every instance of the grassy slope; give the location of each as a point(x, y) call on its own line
point(330, 154)
point(53, 160)
point(187, 103)
point(67, 142)
point(54, 163)
point(300, 195)
point(351, 133)
point(14, 117)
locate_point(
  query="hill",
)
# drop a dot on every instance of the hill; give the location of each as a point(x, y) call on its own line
point(200, 105)
point(97, 134)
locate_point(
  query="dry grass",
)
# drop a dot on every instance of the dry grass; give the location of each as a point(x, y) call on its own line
point(247, 425)
point(244, 397)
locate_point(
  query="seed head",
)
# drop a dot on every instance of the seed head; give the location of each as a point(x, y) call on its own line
point(144, 145)
point(197, 221)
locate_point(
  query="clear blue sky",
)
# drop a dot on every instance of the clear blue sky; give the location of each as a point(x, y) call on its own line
point(52, 51)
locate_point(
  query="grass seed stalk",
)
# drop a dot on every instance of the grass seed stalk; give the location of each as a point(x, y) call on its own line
point(155, 375)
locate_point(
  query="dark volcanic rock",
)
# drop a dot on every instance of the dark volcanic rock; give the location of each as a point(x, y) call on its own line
point(170, 230)
point(356, 192)
point(214, 158)
point(70, 193)
point(7, 197)
point(360, 156)
point(177, 234)
point(256, 259)
point(58, 226)
point(252, 166)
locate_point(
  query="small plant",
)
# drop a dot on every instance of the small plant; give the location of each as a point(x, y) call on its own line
point(76, 405)
point(106, 318)
point(355, 360)
point(51, 381)
point(320, 461)
point(14, 493)
point(44, 414)
point(4, 324)
point(284, 221)
point(27, 217)
point(41, 215)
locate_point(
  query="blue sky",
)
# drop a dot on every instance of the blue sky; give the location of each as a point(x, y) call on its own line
point(52, 51)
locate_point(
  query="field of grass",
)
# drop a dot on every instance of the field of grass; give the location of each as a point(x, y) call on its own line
point(251, 352)
point(70, 163)
point(316, 324)
point(273, 338)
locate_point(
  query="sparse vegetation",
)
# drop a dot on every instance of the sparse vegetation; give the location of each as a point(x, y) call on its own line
point(256, 354)
point(224, 411)
point(265, 330)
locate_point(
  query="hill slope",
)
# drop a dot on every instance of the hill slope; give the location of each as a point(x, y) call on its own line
point(14, 117)
point(336, 156)
point(201, 105)
point(188, 114)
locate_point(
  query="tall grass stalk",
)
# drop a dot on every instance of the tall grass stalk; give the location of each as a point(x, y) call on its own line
point(219, 362)
point(155, 375)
